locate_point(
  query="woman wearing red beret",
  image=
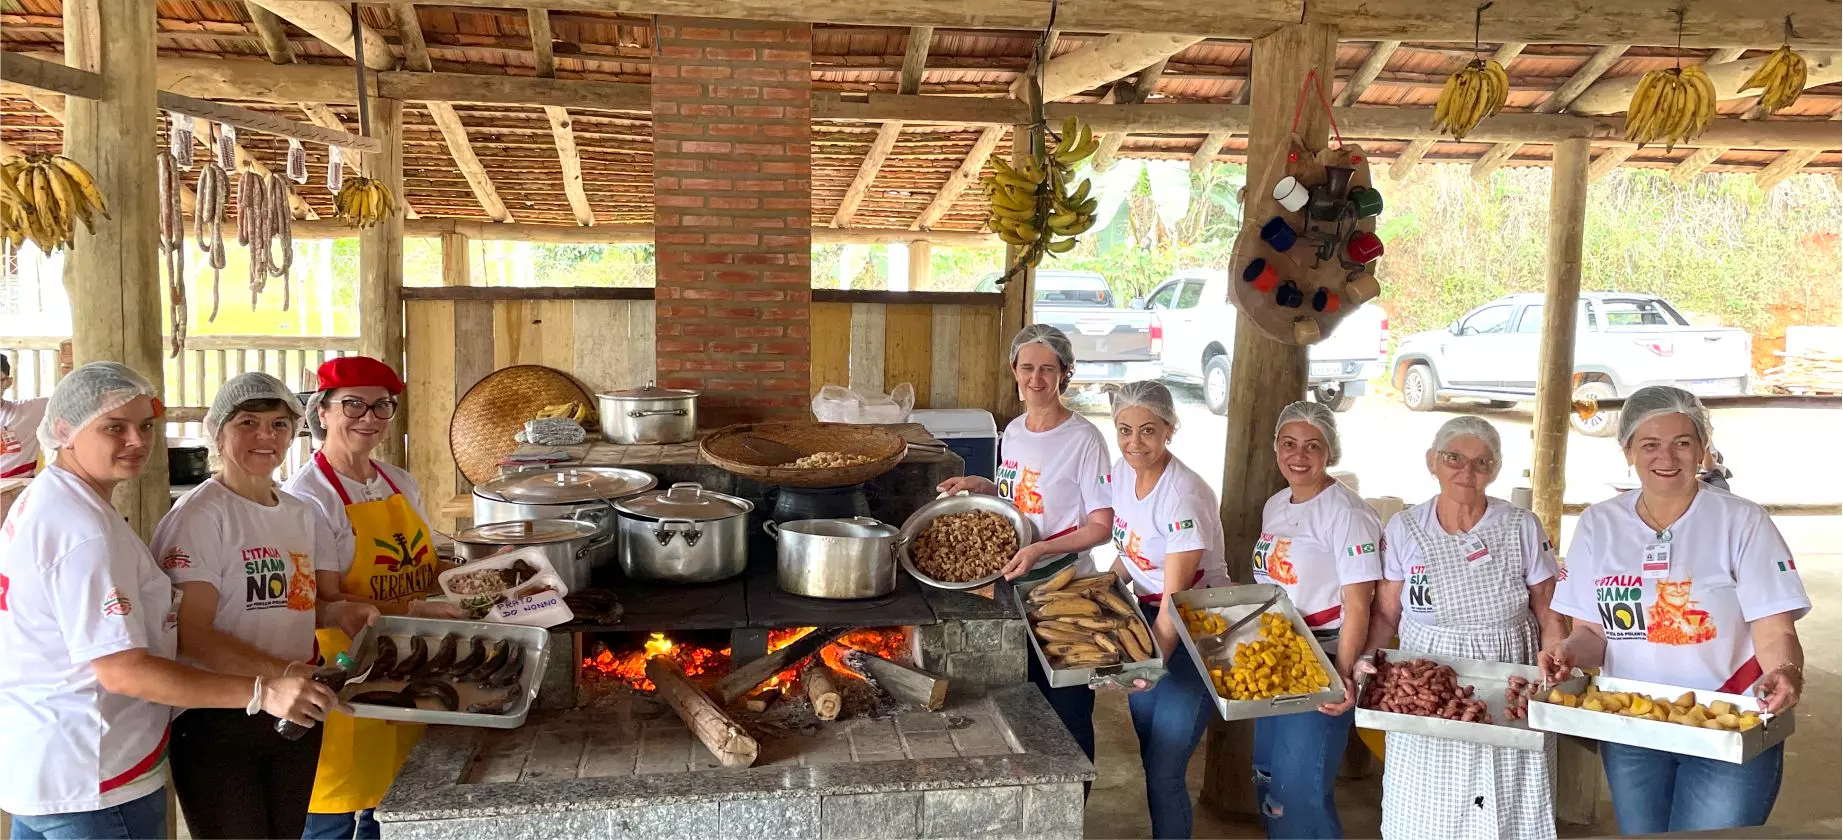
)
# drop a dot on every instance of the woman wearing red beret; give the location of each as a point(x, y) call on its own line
point(387, 549)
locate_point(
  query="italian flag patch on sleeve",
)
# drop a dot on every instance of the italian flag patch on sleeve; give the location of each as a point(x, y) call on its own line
point(1360, 550)
point(1182, 525)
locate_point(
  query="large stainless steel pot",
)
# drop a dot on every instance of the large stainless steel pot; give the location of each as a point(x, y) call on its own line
point(582, 493)
point(649, 415)
point(684, 534)
point(569, 545)
point(835, 558)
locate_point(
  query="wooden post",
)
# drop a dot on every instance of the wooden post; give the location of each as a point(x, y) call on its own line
point(380, 263)
point(1264, 374)
point(116, 314)
point(921, 253)
point(1578, 778)
point(456, 270)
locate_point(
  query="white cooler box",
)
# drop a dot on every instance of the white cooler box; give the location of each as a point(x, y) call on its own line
point(969, 432)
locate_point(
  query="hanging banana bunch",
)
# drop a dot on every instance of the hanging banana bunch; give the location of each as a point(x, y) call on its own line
point(1781, 79)
point(42, 197)
point(1475, 92)
point(1038, 207)
point(1670, 106)
point(363, 202)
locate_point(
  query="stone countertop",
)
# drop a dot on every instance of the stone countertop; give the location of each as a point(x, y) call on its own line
point(430, 786)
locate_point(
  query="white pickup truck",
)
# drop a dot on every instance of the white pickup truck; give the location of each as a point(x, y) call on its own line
point(1623, 342)
point(1193, 333)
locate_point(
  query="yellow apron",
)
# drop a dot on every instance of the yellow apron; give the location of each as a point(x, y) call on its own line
point(393, 560)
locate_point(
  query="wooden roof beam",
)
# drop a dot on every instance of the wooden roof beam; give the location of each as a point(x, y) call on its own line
point(455, 134)
point(1406, 161)
point(1612, 96)
point(1140, 92)
point(1709, 23)
point(1207, 152)
point(633, 234)
point(1783, 167)
point(915, 59)
point(561, 130)
point(332, 23)
point(409, 31)
point(1366, 74)
point(1610, 158)
point(867, 173)
point(1693, 165)
point(49, 76)
point(965, 176)
point(1109, 59)
point(274, 34)
point(1589, 72)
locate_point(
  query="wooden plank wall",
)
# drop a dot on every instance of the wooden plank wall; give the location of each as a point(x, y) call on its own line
point(952, 354)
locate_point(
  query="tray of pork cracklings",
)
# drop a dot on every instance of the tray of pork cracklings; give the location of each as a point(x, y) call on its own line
point(460, 673)
point(1712, 724)
point(1450, 697)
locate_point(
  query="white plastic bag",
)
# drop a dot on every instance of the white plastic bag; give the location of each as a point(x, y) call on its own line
point(835, 404)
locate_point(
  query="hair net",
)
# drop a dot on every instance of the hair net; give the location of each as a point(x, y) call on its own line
point(1321, 418)
point(85, 394)
point(248, 387)
point(313, 415)
point(1047, 336)
point(1149, 394)
point(1469, 426)
point(1648, 402)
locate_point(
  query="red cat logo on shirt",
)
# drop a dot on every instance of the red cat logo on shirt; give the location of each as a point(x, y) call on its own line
point(116, 604)
point(176, 558)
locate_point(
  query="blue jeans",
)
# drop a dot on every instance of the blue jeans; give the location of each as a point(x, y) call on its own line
point(138, 818)
point(1656, 792)
point(1169, 720)
point(1296, 759)
point(1073, 705)
point(362, 825)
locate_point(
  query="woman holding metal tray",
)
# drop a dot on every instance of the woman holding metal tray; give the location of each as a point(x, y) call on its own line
point(1168, 530)
point(1052, 465)
point(1472, 577)
point(1323, 544)
point(1684, 584)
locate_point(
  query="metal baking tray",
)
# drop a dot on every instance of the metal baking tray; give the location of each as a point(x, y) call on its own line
point(1234, 603)
point(535, 640)
point(961, 503)
point(1489, 681)
point(1733, 747)
point(1124, 674)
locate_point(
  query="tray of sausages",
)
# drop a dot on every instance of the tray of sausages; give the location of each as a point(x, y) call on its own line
point(461, 673)
point(1450, 697)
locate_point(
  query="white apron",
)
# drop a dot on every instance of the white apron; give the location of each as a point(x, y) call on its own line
point(1441, 788)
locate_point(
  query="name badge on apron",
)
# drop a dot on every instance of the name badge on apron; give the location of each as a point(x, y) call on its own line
point(1657, 561)
point(1475, 550)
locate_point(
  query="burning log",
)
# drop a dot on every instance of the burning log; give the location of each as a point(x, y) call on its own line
point(726, 739)
point(900, 681)
point(822, 690)
point(745, 677)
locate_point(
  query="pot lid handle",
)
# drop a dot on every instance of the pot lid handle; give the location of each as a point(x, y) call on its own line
point(679, 490)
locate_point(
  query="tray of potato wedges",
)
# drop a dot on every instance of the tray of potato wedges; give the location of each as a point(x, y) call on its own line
point(1088, 630)
point(1268, 665)
point(461, 673)
point(1712, 724)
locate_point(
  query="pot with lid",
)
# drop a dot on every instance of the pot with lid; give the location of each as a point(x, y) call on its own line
point(569, 545)
point(648, 416)
point(835, 558)
point(684, 534)
point(583, 493)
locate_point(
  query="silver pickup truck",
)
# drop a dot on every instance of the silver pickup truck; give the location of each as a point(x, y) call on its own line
point(1112, 344)
point(1623, 342)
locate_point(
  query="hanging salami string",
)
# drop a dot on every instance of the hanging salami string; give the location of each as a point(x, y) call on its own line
point(335, 169)
point(179, 139)
point(297, 161)
point(227, 147)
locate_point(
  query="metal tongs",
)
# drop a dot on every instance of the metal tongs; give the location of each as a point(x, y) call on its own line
point(1216, 644)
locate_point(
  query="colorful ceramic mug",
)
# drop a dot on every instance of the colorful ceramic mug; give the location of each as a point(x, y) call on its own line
point(1291, 194)
point(1278, 234)
point(1289, 296)
point(1368, 202)
point(1363, 247)
point(1262, 275)
point(1324, 300)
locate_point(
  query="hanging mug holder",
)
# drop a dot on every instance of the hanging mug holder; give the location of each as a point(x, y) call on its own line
point(1305, 256)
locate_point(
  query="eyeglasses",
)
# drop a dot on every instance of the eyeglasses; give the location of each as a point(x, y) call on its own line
point(355, 408)
point(1455, 461)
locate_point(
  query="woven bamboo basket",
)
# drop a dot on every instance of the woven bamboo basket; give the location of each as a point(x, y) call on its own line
point(480, 432)
point(728, 448)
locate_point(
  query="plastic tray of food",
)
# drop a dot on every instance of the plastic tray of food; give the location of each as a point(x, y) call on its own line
point(492, 690)
point(1130, 634)
point(478, 585)
point(1490, 682)
point(918, 523)
point(1233, 603)
point(1724, 744)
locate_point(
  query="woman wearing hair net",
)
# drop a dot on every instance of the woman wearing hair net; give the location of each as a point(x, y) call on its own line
point(89, 628)
point(1167, 528)
point(19, 421)
point(1472, 575)
point(367, 505)
point(1682, 583)
point(1053, 467)
point(244, 555)
point(1322, 544)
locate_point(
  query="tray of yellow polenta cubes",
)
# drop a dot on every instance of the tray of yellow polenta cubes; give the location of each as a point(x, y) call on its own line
point(1268, 666)
point(1712, 724)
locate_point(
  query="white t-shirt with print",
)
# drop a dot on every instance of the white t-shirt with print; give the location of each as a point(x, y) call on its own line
point(1728, 566)
point(1055, 478)
point(1402, 559)
point(1315, 548)
point(261, 559)
point(1180, 514)
point(310, 483)
point(76, 585)
point(19, 432)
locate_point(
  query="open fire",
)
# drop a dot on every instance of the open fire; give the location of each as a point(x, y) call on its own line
point(703, 663)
